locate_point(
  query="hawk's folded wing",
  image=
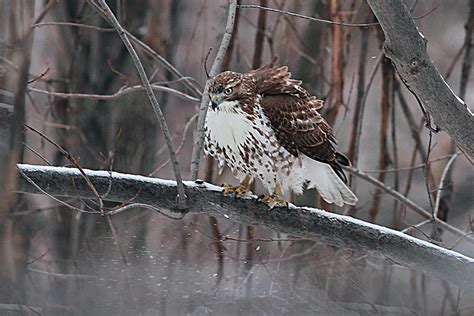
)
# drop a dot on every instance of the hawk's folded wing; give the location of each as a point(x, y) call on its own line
point(294, 116)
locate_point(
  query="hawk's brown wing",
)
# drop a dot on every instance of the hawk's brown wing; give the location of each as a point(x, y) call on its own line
point(294, 117)
point(275, 81)
point(299, 127)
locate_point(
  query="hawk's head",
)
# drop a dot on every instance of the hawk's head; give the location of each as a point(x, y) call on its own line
point(228, 88)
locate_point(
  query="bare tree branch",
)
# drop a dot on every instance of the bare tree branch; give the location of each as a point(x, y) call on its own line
point(303, 222)
point(121, 92)
point(313, 19)
point(252, 6)
point(405, 201)
point(151, 96)
point(406, 47)
point(442, 184)
point(140, 44)
point(216, 66)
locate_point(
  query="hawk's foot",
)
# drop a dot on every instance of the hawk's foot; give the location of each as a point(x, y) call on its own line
point(273, 200)
point(238, 190)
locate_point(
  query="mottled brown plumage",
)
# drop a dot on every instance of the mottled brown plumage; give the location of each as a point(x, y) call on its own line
point(282, 128)
point(294, 117)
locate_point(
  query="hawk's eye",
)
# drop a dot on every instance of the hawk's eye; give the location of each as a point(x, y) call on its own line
point(228, 91)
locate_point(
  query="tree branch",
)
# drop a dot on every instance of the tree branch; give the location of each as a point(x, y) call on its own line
point(305, 222)
point(140, 44)
point(405, 201)
point(406, 47)
point(151, 96)
point(216, 66)
point(121, 92)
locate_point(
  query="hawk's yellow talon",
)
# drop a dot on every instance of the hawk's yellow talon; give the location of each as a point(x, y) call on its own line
point(238, 190)
point(274, 199)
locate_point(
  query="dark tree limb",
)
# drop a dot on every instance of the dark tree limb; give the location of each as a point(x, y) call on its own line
point(406, 47)
point(306, 223)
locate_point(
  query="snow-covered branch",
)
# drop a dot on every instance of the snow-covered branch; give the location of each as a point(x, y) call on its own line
point(304, 222)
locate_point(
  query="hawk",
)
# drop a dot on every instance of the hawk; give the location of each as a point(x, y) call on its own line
point(263, 124)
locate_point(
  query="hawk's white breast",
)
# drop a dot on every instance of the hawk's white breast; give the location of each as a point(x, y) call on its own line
point(228, 127)
point(248, 145)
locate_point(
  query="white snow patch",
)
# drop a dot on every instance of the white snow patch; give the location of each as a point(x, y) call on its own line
point(388, 231)
point(421, 34)
point(457, 97)
point(116, 175)
point(192, 184)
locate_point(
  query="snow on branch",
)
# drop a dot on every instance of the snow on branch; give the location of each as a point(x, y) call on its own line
point(406, 47)
point(208, 199)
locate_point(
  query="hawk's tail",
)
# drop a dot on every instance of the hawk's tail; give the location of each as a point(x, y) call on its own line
point(329, 185)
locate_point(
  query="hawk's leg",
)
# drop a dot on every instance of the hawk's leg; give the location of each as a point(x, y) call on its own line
point(274, 199)
point(240, 189)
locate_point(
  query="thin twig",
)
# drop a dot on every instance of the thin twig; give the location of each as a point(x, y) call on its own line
point(383, 159)
point(63, 275)
point(419, 166)
point(411, 172)
point(362, 106)
point(218, 247)
point(121, 92)
point(252, 6)
point(144, 47)
point(337, 64)
point(428, 168)
point(30, 181)
point(357, 129)
point(73, 161)
point(34, 151)
point(467, 59)
point(259, 37)
point(441, 184)
point(151, 96)
point(467, 235)
point(183, 140)
point(454, 62)
point(43, 13)
point(417, 226)
point(93, 27)
point(227, 237)
point(216, 66)
point(145, 206)
point(409, 203)
point(405, 201)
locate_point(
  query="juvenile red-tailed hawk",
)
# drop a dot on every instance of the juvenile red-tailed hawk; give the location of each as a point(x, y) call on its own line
point(264, 125)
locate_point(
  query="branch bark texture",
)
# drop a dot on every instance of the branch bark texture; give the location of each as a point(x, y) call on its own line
point(406, 47)
point(306, 223)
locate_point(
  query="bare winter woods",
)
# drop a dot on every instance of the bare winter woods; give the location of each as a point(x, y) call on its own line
point(107, 205)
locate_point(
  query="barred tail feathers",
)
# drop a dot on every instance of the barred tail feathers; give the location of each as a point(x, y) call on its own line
point(331, 187)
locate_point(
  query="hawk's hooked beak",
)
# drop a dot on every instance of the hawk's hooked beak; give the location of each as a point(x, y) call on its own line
point(215, 100)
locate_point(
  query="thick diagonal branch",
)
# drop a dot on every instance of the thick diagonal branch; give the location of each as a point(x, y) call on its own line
point(303, 222)
point(406, 47)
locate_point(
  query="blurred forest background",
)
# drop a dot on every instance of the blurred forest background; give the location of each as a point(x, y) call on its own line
point(58, 261)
